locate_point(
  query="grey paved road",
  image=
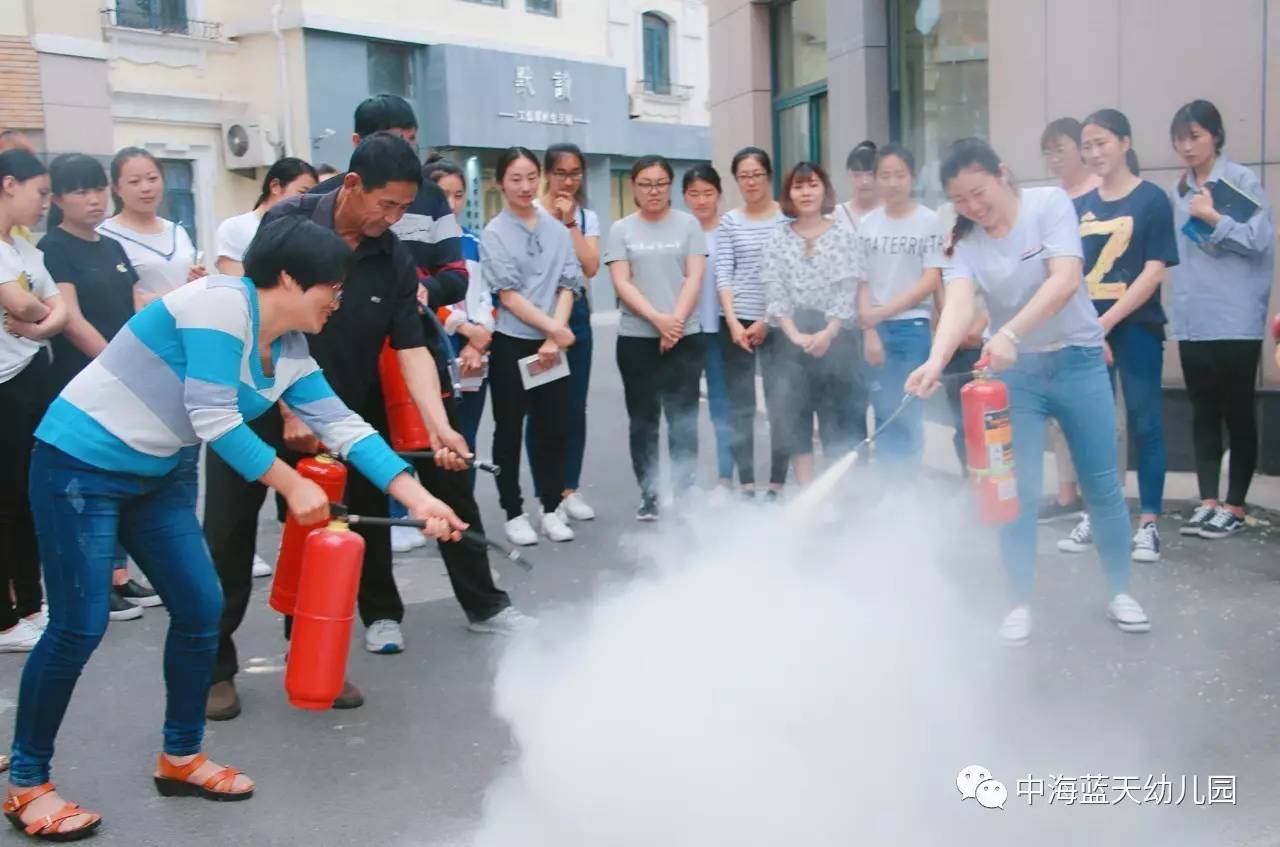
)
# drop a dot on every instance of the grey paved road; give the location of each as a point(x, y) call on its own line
point(412, 766)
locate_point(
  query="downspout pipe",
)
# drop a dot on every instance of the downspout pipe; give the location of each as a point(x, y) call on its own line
point(286, 112)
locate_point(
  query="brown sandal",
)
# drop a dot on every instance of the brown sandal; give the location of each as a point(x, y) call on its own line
point(49, 827)
point(171, 781)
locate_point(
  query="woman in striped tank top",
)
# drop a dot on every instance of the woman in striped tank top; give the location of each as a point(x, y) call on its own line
point(744, 332)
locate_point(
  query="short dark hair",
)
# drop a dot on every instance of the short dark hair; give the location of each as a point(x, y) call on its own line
point(382, 112)
point(805, 171)
point(898, 151)
point(751, 153)
point(1115, 122)
point(325, 169)
point(1200, 112)
point(310, 253)
point(73, 172)
point(510, 156)
point(652, 161)
point(704, 172)
point(437, 166)
point(382, 158)
point(76, 172)
point(862, 157)
point(1061, 128)
point(285, 171)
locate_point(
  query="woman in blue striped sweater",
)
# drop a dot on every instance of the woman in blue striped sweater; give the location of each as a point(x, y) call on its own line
point(192, 367)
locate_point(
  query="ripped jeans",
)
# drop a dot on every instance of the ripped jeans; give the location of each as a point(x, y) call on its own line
point(79, 510)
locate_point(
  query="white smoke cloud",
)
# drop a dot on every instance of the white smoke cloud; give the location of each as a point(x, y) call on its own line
point(765, 683)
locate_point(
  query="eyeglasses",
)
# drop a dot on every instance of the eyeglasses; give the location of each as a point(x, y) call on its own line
point(754, 176)
point(652, 187)
point(336, 288)
point(567, 174)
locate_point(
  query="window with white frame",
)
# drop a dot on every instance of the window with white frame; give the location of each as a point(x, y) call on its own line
point(542, 7)
point(657, 53)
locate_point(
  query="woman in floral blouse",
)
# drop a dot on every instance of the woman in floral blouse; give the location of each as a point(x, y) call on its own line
point(812, 267)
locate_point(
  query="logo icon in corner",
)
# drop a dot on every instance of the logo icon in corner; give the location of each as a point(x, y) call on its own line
point(975, 783)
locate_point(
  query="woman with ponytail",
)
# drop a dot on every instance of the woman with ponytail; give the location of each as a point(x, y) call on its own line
point(1022, 249)
point(1126, 227)
point(288, 177)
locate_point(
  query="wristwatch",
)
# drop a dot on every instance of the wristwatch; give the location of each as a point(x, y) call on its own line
point(1008, 333)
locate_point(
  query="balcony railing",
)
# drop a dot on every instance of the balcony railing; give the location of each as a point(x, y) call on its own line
point(664, 89)
point(159, 20)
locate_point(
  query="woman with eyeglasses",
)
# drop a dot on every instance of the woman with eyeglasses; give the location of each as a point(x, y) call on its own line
point(528, 261)
point(192, 367)
point(656, 257)
point(744, 335)
point(565, 198)
point(160, 250)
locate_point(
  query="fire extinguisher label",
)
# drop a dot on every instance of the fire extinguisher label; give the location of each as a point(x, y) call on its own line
point(999, 440)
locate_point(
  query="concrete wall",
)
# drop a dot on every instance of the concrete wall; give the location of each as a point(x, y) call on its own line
point(741, 82)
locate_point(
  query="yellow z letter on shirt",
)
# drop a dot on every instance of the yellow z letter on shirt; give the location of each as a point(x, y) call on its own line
point(1120, 231)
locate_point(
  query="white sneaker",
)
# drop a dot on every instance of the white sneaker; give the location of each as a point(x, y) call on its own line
point(22, 638)
point(260, 567)
point(1080, 539)
point(40, 620)
point(1126, 614)
point(1015, 630)
point(510, 621)
point(1146, 543)
point(406, 538)
point(384, 637)
point(520, 531)
point(555, 528)
point(577, 508)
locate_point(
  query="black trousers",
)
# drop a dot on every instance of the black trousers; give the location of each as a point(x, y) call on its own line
point(511, 405)
point(656, 383)
point(232, 505)
point(806, 387)
point(23, 399)
point(1222, 377)
point(740, 385)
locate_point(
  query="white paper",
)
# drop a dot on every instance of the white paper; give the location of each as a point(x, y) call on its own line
point(534, 374)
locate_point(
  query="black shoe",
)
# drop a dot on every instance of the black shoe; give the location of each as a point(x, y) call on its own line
point(1051, 510)
point(122, 609)
point(772, 496)
point(223, 703)
point(138, 594)
point(648, 510)
point(350, 698)
point(1223, 523)
point(1199, 520)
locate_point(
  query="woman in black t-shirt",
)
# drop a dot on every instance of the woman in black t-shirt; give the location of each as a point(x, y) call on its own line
point(1126, 227)
point(95, 279)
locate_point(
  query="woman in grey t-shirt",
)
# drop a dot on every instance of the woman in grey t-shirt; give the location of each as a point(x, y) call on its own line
point(1022, 249)
point(527, 259)
point(657, 257)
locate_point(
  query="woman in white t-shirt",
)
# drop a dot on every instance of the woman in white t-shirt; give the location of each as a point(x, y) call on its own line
point(32, 312)
point(160, 250)
point(1023, 250)
point(287, 178)
point(903, 244)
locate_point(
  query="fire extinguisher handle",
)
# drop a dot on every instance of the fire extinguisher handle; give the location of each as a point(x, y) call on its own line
point(429, 455)
point(470, 536)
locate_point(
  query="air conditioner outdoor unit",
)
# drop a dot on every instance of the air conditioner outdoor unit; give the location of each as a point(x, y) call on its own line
point(248, 143)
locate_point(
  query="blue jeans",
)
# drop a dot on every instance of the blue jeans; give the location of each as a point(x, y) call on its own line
point(79, 511)
point(1070, 385)
point(1139, 359)
point(906, 347)
point(718, 402)
point(576, 412)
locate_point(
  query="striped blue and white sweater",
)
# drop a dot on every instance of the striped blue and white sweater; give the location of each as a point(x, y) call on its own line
point(185, 370)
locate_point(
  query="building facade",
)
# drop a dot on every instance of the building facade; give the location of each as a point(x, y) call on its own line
point(620, 78)
point(809, 79)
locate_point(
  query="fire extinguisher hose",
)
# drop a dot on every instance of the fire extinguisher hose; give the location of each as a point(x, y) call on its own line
point(340, 512)
point(429, 455)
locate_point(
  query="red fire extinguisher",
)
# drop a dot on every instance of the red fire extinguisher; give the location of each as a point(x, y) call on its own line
point(988, 440)
point(331, 561)
point(330, 475)
point(408, 432)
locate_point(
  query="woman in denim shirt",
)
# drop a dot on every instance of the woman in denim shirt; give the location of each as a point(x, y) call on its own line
point(1217, 312)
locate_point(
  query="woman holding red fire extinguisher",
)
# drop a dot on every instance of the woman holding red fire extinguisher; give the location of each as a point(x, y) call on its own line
point(1022, 248)
point(107, 461)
